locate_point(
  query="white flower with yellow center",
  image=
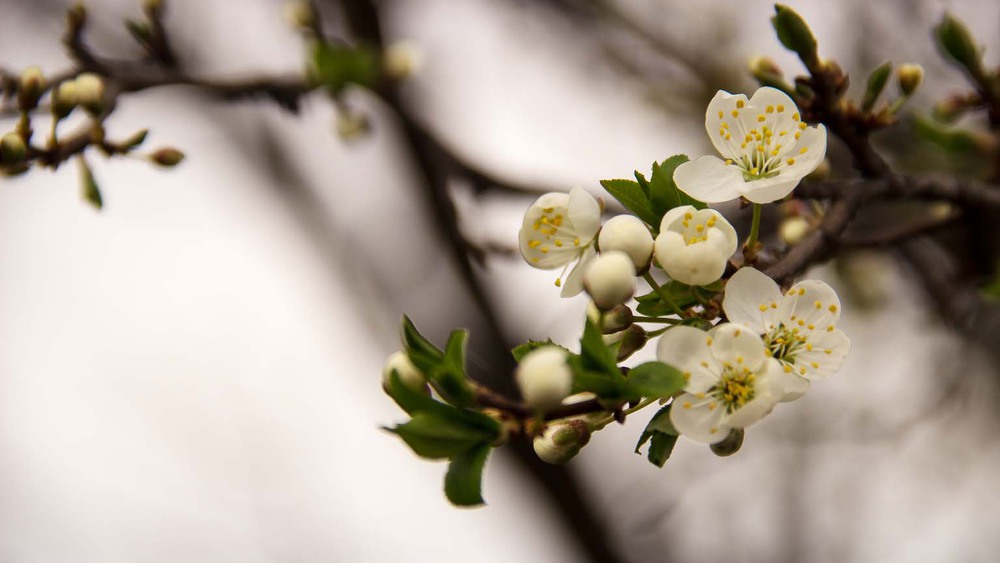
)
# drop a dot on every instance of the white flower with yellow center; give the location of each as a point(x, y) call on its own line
point(560, 229)
point(731, 381)
point(766, 149)
point(798, 328)
point(694, 245)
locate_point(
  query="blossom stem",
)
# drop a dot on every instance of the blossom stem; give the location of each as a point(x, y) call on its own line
point(599, 425)
point(662, 293)
point(639, 319)
point(754, 228)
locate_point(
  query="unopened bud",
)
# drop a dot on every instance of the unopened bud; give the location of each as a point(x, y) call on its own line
point(949, 109)
point(632, 340)
point(90, 92)
point(766, 71)
point(730, 444)
point(30, 87)
point(910, 77)
point(167, 157)
point(64, 99)
point(401, 60)
point(408, 373)
point(544, 377)
point(12, 149)
point(610, 279)
point(956, 41)
point(614, 320)
point(793, 230)
point(795, 35)
point(300, 14)
point(630, 235)
point(561, 441)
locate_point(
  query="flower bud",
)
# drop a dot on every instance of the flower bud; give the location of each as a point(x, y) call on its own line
point(610, 279)
point(633, 339)
point(409, 375)
point(561, 441)
point(910, 76)
point(615, 320)
point(12, 149)
point(90, 92)
point(694, 245)
point(730, 444)
point(628, 234)
point(167, 157)
point(30, 87)
point(766, 72)
point(793, 230)
point(401, 59)
point(300, 14)
point(544, 377)
point(64, 99)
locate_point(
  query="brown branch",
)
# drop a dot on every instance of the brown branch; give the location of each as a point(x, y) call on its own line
point(896, 233)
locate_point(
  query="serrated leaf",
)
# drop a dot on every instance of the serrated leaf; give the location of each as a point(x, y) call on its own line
point(424, 355)
point(631, 195)
point(663, 435)
point(522, 350)
point(415, 403)
point(640, 179)
point(435, 437)
point(663, 192)
point(655, 379)
point(464, 479)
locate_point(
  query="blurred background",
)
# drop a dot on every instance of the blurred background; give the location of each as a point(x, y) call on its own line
point(193, 373)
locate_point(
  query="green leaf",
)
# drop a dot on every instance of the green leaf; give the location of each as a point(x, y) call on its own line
point(89, 190)
point(436, 437)
point(655, 379)
point(449, 377)
point(598, 383)
point(643, 182)
point(949, 139)
point(795, 35)
point(956, 41)
point(663, 191)
point(876, 83)
point(464, 479)
point(522, 350)
point(424, 355)
point(631, 195)
point(652, 305)
point(663, 435)
point(415, 403)
point(336, 66)
point(595, 354)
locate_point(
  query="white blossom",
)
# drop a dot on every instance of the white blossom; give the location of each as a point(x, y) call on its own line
point(731, 381)
point(560, 229)
point(628, 234)
point(798, 328)
point(766, 149)
point(544, 377)
point(610, 279)
point(694, 245)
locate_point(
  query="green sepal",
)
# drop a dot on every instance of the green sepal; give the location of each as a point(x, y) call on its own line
point(336, 66)
point(464, 479)
point(522, 350)
point(876, 83)
point(634, 198)
point(661, 434)
point(654, 379)
point(663, 192)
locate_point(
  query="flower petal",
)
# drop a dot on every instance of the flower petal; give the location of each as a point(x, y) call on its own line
point(751, 299)
point(735, 345)
point(793, 386)
point(573, 284)
point(686, 348)
point(768, 190)
point(824, 354)
point(699, 419)
point(810, 305)
point(584, 213)
point(700, 263)
point(782, 109)
point(813, 141)
point(768, 390)
point(719, 121)
point(709, 179)
point(675, 215)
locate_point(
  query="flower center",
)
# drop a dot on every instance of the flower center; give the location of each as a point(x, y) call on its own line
point(735, 388)
point(784, 343)
point(757, 143)
point(695, 230)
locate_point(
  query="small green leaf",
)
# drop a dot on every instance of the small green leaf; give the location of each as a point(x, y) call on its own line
point(634, 198)
point(449, 378)
point(950, 139)
point(416, 403)
point(652, 305)
point(598, 383)
point(522, 350)
point(336, 66)
point(422, 353)
point(655, 379)
point(89, 190)
point(663, 435)
point(956, 41)
point(876, 83)
point(595, 354)
point(795, 35)
point(435, 437)
point(643, 183)
point(464, 479)
point(663, 192)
